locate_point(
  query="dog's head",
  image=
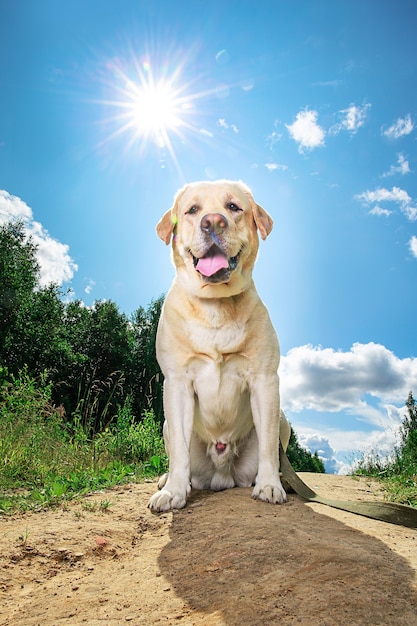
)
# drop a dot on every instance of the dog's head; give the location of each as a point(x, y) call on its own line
point(214, 230)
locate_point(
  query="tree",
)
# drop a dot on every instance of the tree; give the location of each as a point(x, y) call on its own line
point(145, 375)
point(37, 340)
point(30, 316)
point(91, 383)
point(407, 452)
point(301, 459)
point(19, 274)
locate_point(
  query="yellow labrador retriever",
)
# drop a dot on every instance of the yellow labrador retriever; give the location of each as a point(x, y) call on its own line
point(218, 350)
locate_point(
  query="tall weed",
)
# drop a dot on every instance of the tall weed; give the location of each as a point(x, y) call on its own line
point(44, 458)
point(32, 437)
point(399, 470)
point(130, 441)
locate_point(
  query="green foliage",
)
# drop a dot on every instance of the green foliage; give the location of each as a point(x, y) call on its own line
point(301, 459)
point(145, 380)
point(43, 458)
point(31, 434)
point(407, 452)
point(96, 357)
point(130, 441)
point(18, 276)
point(36, 341)
point(398, 473)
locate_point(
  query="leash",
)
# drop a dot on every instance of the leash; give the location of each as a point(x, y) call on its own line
point(390, 512)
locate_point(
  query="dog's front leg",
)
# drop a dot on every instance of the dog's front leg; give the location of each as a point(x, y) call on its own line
point(179, 413)
point(265, 407)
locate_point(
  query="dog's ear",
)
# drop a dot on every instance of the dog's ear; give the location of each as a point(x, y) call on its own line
point(166, 226)
point(263, 220)
point(168, 222)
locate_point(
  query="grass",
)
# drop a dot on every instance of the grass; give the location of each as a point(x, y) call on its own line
point(46, 459)
point(399, 485)
point(402, 489)
point(398, 473)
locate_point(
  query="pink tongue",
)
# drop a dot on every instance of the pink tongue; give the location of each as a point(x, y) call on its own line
point(212, 264)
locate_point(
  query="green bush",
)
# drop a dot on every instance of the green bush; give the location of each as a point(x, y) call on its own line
point(44, 458)
point(130, 441)
point(33, 441)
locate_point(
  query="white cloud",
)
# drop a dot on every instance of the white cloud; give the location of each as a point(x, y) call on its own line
point(339, 449)
point(396, 195)
point(413, 245)
point(323, 379)
point(385, 195)
point(403, 126)
point(306, 131)
point(377, 210)
point(223, 124)
point(402, 168)
point(352, 118)
point(378, 443)
point(367, 384)
point(271, 167)
point(89, 287)
point(13, 208)
point(410, 212)
point(56, 265)
point(316, 442)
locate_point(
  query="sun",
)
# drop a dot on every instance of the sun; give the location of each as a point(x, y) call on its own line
point(153, 110)
point(149, 110)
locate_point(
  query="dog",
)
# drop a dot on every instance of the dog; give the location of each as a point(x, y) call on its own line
point(218, 351)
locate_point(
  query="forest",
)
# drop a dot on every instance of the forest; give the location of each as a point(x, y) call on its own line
point(95, 357)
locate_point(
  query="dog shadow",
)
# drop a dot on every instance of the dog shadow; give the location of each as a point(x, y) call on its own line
point(241, 561)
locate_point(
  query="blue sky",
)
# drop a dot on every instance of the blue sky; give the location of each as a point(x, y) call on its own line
point(108, 107)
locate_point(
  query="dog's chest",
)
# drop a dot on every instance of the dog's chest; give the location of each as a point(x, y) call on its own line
point(218, 363)
point(221, 389)
point(217, 343)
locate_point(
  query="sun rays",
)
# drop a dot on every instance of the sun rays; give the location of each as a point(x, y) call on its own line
point(149, 108)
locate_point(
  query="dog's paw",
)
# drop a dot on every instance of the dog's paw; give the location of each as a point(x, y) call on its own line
point(165, 500)
point(270, 493)
point(163, 480)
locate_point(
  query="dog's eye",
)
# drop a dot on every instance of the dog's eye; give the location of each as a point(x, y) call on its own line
point(232, 206)
point(192, 210)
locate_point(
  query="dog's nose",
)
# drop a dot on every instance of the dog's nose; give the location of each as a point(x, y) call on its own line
point(213, 223)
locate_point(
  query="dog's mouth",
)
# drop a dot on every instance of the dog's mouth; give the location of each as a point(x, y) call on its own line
point(215, 266)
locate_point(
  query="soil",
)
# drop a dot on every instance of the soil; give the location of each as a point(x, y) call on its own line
point(223, 560)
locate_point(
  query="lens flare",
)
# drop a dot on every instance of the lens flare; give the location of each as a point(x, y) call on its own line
point(150, 108)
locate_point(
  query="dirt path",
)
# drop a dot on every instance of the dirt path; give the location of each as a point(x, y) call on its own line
point(223, 560)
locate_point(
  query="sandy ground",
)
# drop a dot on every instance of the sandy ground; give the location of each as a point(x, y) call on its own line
point(223, 560)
